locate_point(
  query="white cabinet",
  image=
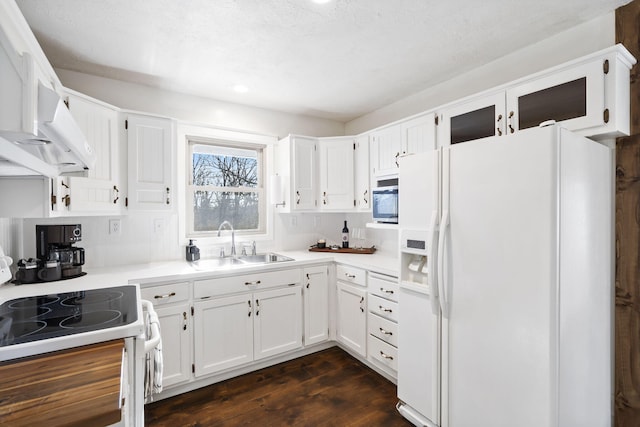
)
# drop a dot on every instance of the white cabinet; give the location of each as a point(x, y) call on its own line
point(419, 134)
point(588, 96)
point(223, 333)
point(150, 143)
point(336, 173)
point(277, 321)
point(100, 191)
point(296, 163)
point(172, 304)
point(316, 304)
point(351, 328)
point(383, 322)
point(385, 147)
point(362, 187)
point(261, 317)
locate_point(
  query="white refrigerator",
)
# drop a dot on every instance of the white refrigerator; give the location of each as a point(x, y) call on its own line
point(520, 286)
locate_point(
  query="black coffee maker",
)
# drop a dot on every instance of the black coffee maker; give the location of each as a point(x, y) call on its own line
point(54, 243)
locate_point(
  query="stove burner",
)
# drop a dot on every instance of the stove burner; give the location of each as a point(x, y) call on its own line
point(88, 320)
point(27, 327)
point(31, 302)
point(91, 298)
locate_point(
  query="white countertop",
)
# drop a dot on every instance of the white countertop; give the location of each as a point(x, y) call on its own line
point(142, 274)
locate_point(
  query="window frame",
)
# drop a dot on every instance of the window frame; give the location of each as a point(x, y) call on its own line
point(190, 188)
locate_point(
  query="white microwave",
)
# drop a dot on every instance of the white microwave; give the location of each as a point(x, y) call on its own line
point(385, 204)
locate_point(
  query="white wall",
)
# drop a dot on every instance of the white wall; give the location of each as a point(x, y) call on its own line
point(578, 41)
point(196, 109)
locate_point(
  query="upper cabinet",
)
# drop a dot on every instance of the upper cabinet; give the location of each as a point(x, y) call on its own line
point(296, 164)
point(362, 190)
point(589, 96)
point(102, 190)
point(415, 135)
point(150, 154)
point(336, 173)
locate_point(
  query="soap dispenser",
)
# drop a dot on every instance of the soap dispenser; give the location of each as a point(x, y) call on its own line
point(193, 253)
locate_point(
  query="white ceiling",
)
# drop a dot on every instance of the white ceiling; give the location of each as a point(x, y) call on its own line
point(337, 60)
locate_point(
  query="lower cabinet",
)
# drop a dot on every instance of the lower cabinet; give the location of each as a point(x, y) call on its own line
point(352, 317)
point(172, 304)
point(235, 330)
point(316, 304)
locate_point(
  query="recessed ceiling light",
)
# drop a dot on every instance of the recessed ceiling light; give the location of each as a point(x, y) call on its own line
point(241, 89)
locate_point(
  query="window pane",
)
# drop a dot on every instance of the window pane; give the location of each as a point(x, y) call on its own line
point(211, 208)
point(224, 166)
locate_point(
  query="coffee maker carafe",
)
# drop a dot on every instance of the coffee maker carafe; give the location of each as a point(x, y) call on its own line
point(55, 243)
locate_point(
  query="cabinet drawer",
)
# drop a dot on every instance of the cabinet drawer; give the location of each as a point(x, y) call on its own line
point(383, 307)
point(245, 282)
point(384, 329)
point(383, 353)
point(351, 275)
point(383, 286)
point(166, 294)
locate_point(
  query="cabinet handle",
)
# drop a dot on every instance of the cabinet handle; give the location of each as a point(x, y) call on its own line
point(386, 291)
point(255, 282)
point(257, 307)
point(116, 194)
point(350, 276)
point(499, 128)
point(167, 195)
point(307, 285)
point(249, 313)
point(165, 296)
point(385, 332)
point(397, 155)
point(385, 356)
point(386, 310)
point(364, 196)
point(324, 197)
point(297, 197)
point(361, 307)
point(511, 122)
point(184, 320)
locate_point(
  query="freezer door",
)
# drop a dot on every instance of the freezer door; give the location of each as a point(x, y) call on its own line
point(498, 284)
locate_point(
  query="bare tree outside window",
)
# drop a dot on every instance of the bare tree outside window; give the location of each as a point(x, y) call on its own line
point(226, 186)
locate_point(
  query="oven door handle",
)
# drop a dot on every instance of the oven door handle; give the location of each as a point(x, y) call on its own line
point(155, 329)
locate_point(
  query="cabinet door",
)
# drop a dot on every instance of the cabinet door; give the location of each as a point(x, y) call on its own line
point(336, 173)
point(176, 343)
point(386, 147)
point(304, 186)
point(150, 170)
point(419, 134)
point(277, 321)
point(316, 304)
point(352, 318)
point(100, 190)
point(472, 120)
point(361, 174)
point(223, 333)
point(575, 97)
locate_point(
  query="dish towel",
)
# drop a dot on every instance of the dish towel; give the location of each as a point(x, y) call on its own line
point(154, 363)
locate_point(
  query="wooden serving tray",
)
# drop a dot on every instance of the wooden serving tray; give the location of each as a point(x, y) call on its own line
point(370, 250)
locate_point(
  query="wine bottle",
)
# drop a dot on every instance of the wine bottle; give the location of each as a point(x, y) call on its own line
point(345, 236)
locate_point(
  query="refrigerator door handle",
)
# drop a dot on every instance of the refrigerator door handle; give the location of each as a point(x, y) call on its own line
point(432, 280)
point(444, 224)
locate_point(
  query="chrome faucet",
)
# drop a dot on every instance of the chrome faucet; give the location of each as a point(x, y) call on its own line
point(233, 236)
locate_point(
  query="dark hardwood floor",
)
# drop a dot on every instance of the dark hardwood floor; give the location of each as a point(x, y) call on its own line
point(328, 388)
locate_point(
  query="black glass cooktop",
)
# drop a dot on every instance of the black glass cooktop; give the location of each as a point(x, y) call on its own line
point(48, 316)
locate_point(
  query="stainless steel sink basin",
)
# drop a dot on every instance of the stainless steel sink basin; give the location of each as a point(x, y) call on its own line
point(242, 260)
point(263, 258)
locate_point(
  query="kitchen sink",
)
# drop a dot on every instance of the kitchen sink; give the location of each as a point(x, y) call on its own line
point(242, 260)
point(263, 258)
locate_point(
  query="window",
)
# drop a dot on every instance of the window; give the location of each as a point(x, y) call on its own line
point(225, 183)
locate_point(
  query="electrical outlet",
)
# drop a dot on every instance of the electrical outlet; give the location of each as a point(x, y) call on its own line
point(114, 226)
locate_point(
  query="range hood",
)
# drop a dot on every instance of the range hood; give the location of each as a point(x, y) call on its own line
point(59, 146)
